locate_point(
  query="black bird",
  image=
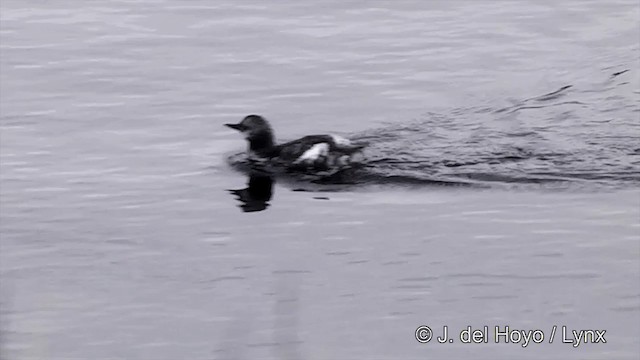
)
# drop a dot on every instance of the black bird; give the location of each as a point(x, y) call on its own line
point(310, 152)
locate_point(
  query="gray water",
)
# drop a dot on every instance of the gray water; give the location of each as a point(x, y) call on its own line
point(119, 238)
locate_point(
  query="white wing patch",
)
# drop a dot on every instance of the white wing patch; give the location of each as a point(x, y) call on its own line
point(314, 153)
point(340, 141)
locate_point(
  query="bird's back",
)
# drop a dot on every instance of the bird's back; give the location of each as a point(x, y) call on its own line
point(293, 150)
point(321, 151)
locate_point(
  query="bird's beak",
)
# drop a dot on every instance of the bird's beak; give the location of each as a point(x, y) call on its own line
point(238, 127)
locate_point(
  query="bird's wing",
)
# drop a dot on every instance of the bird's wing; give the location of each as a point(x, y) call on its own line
point(292, 150)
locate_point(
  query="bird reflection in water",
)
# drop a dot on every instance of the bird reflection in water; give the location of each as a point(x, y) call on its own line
point(256, 196)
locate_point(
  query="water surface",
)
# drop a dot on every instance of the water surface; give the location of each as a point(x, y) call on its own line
point(120, 239)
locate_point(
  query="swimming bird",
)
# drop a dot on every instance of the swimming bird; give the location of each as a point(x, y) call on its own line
point(319, 152)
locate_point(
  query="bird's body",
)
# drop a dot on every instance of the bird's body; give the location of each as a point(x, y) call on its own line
point(320, 152)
